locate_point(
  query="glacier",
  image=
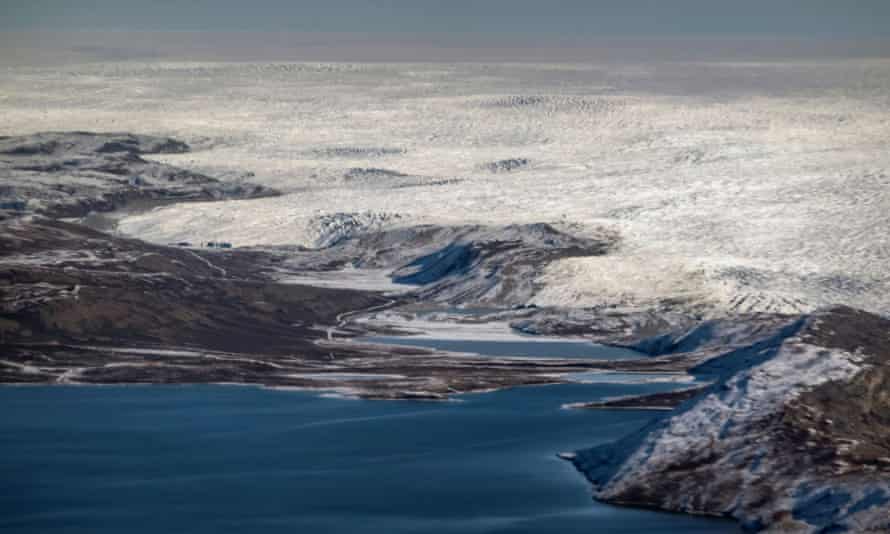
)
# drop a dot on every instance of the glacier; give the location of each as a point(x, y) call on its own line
point(734, 186)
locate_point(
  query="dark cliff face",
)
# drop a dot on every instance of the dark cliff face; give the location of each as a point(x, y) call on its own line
point(793, 435)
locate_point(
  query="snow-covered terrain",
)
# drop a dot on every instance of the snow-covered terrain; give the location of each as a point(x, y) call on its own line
point(747, 186)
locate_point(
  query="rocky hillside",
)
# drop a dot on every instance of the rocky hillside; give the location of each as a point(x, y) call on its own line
point(461, 264)
point(70, 174)
point(793, 435)
point(65, 283)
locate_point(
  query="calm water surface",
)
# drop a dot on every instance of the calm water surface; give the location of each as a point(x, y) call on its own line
point(238, 459)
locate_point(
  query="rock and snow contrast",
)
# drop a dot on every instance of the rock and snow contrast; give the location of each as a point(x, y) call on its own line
point(82, 306)
point(723, 219)
point(457, 265)
point(793, 435)
point(71, 174)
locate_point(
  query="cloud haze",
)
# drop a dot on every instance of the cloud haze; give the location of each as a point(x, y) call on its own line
point(588, 18)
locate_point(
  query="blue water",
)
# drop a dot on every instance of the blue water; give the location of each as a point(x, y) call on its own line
point(518, 348)
point(236, 459)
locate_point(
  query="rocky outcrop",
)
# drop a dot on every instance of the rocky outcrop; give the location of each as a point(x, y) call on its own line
point(793, 435)
point(506, 165)
point(466, 264)
point(70, 174)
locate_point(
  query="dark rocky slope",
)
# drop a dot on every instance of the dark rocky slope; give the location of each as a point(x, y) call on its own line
point(64, 283)
point(793, 436)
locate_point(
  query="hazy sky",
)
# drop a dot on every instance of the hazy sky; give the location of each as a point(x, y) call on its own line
point(441, 30)
point(531, 18)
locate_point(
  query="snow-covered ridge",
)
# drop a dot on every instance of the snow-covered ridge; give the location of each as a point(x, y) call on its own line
point(454, 264)
point(764, 444)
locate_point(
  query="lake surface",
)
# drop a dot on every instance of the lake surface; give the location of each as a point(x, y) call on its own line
point(240, 459)
point(521, 348)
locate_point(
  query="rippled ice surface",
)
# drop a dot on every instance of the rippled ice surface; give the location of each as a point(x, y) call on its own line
point(754, 186)
point(233, 459)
